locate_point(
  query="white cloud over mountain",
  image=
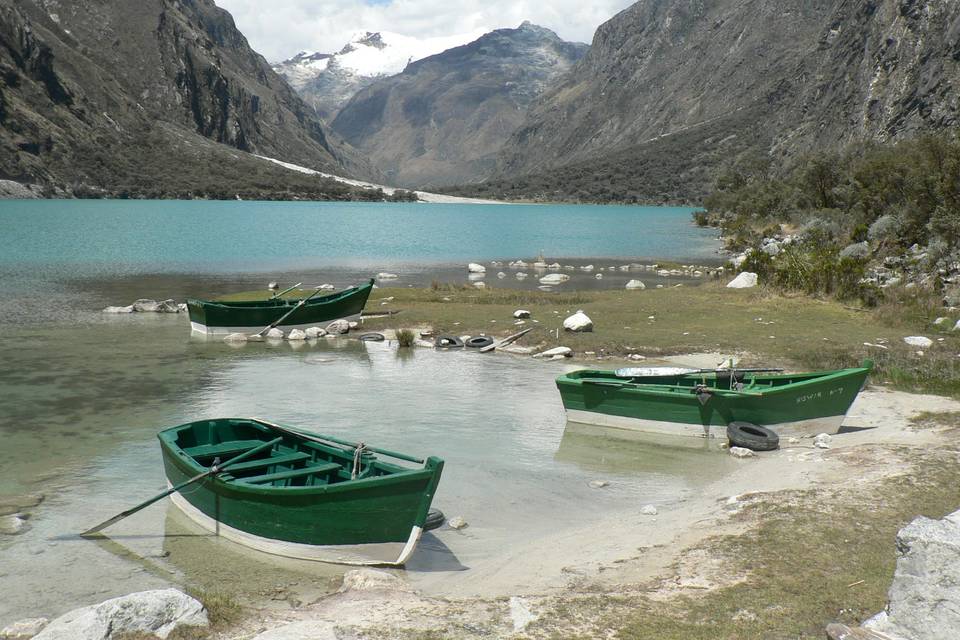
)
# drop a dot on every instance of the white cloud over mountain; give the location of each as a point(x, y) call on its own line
point(281, 28)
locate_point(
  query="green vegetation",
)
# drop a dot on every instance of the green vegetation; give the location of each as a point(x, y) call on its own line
point(406, 338)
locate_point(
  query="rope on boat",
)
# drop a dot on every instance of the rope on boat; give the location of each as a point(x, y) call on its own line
point(357, 460)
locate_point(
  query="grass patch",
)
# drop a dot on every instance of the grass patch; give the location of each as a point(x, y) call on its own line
point(405, 338)
point(936, 420)
point(812, 558)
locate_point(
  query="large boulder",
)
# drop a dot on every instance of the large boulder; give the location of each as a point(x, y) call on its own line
point(297, 334)
point(473, 267)
point(521, 313)
point(578, 322)
point(275, 333)
point(924, 596)
point(745, 280)
point(158, 612)
point(315, 332)
point(554, 278)
point(338, 327)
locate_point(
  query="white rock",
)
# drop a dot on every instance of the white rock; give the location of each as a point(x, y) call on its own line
point(383, 275)
point(588, 267)
point(918, 341)
point(501, 275)
point(480, 285)
point(127, 309)
point(738, 260)
point(371, 580)
point(275, 333)
point(566, 352)
point(297, 334)
point(12, 524)
point(457, 522)
point(520, 614)
point(236, 337)
point(598, 484)
point(771, 249)
point(521, 275)
point(793, 441)
point(579, 322)
point(741, 452)
point(517, 349)
point(635, 285)
point(158, 612)
point(956, 327)
point(822, 441)
point(315, 332)
point(554, 278)
point(539, 264)
point(473, 277)
point(353, 324)
point(569, 267)
point(636, 356)
point(939, 320)
point(519, 264)
point(145, 305)
point(23, 629)
point(521, 313)
point(338, 327)
point(624, 267)
point(326, 287)
point(496, 263)
point(745, 280)
point(182, 307)
point(648, 510)
point(555, 266)
point(599, 276)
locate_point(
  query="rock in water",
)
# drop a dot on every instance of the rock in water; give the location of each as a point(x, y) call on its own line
point(167, 306)
point(554, 278)
point(145, 305)
point(275, 333)
point(23, 629)
point(598, 484)
point(297, 334)
point(745, 280)
point(473, 267)
point(127, 309)
point(383, 275)
point(565, 352)
point(315, 332)
point(338, 327)
point(918, 341)
point(12, 524)
point(158, 612)
point(635, 285)
point(926, 584)
point(236, 337)
point(578, 322)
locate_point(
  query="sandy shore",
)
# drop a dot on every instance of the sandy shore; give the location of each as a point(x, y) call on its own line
point(626, 553)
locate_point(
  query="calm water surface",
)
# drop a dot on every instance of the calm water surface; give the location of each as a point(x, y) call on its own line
point(84, 394)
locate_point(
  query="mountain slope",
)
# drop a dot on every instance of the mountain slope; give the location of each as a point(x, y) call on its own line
point(707, 81)
point(443, 120)
point(328, 81)
point(114, 93)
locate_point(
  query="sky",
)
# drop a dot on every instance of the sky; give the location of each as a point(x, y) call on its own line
point(281, 28)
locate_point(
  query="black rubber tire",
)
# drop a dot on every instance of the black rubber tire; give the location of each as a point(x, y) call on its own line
point(435, 520)
point(372, 337)
point(752, 436)
point(479, 342)
point(448, 342)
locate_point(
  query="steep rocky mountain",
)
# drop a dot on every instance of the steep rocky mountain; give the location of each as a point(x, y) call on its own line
point(328, 81)
point(148, 96)
point(671, 89)
point(443, 120)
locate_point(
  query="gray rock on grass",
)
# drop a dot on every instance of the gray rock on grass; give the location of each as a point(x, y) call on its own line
point(158, 612)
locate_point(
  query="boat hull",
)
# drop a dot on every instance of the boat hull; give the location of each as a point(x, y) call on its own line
point(814, 404)
point(375, 520)
point(213, 317)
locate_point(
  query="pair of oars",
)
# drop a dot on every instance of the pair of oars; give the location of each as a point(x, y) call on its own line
point(287, 314)
point(217, 468)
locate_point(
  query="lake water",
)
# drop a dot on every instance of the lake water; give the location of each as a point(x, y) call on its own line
point(85, 393)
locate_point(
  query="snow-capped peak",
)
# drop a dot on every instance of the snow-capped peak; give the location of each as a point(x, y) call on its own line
point(383, 53)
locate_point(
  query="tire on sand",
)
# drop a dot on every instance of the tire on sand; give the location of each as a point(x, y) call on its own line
point(752, 436)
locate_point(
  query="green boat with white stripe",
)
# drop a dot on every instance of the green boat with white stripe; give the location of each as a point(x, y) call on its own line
point(703, 402)
point(301, 494)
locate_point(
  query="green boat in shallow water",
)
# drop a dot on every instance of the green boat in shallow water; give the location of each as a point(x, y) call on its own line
point(305, 495)
point(217, 317)
point(702, 403)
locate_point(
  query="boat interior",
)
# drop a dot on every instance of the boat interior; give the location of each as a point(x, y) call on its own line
point(292, 462)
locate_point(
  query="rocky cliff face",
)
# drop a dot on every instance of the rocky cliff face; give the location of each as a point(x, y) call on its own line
point(108, 92)
point(672, 88)
point(443, 120)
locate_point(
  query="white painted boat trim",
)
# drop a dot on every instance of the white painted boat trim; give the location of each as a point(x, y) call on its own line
point(375, 554)
point(196, 327)
point(829, 424)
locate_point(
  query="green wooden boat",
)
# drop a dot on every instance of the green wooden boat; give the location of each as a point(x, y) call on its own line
point(215, 317)
point(702, 403)
point(308, 496)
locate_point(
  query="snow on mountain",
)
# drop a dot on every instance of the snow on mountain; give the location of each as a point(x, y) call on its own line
point(328, 81)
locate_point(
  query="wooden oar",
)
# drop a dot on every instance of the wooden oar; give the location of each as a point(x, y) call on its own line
point(286, 315)
point(507, 340)
point(639, 385)
point(313, 437)
point(640, 372)
point(212, 470)
point(287, 290)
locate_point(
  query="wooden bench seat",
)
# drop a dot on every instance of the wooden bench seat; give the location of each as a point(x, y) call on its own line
point(296, 473)
point(223, 449)
point(288, 458)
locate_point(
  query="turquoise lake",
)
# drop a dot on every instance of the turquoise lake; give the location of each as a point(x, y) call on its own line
point(84, 393)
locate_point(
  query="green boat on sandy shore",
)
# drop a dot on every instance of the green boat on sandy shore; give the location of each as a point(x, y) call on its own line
point(300, 495)
point(702, 403)
point(221, 317)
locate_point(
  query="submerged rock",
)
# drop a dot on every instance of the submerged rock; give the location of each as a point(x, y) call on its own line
point(18, 503)
point(297, 334)
point(338, 327)
point(158, 612)
point(236, 337)
point(315, 332)
point(578, 322)
point(275, 333)
point(598, 484)
point(12, 524)
point(127, 309)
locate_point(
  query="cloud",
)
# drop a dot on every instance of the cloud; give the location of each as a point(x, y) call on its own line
point(280, 28)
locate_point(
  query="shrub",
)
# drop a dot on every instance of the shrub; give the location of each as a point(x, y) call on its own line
point(405, 338)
